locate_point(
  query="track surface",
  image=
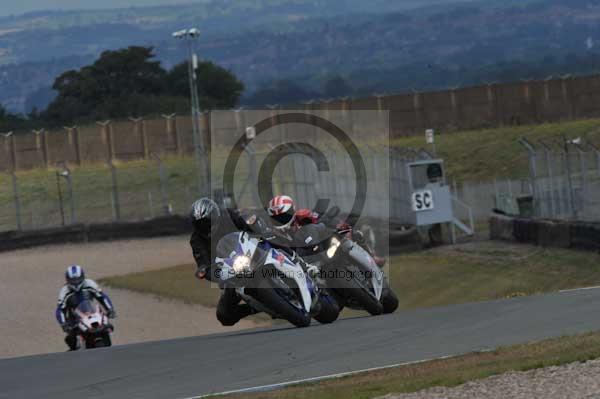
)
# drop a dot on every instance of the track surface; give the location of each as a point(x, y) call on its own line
point(194, 366)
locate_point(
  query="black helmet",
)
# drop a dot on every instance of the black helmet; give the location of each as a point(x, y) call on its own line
point(75, 277)
point(205, 214)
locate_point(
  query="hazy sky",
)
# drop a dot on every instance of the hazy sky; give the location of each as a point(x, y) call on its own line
point(8, 7)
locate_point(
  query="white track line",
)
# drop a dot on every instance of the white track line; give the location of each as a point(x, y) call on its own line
point(272, 387)
point(581, 289)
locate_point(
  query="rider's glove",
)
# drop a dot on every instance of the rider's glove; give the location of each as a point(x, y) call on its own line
point(66, 327)
point(111, 314)
point(312, 271)
point(201, 273)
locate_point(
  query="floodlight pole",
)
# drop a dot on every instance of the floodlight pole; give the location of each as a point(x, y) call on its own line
point(190, 35)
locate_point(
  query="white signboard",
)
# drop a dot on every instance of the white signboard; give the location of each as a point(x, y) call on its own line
point(429, 136)
point(422, 201)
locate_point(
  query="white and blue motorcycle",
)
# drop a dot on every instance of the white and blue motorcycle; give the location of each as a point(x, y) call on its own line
point(270, 281)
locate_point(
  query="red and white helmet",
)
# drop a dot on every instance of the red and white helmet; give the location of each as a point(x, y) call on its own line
point(281, 209)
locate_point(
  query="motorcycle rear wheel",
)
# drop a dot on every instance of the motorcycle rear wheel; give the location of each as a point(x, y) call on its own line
point(389, 300)
point(354, 289)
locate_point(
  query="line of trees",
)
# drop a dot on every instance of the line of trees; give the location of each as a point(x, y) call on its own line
point(128, 82)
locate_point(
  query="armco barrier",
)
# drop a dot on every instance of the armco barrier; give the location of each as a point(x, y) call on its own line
point(547, 233)
point(554, 234)
point(25, 239)
point(585, 236)
point(526, 231)
point(163, 226)
point(501, 228)
point(404, 240)
point(400, 239)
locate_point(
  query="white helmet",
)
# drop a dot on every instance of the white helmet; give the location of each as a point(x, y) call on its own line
point(281, 209)
point(75, 277)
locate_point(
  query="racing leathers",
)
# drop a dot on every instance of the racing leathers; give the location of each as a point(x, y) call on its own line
point(203, 242)
point(69, 299)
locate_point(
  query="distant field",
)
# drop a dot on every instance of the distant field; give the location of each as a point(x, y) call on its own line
point(479, 155)
point(442, 276)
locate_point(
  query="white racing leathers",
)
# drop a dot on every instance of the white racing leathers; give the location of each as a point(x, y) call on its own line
point(69, 299)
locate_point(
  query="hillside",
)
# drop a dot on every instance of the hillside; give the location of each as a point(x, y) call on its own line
point(377, 46)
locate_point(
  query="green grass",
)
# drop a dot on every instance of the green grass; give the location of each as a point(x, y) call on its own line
point(437, 277)
point(471, 155)
point(177, 282)
point(481, 155)
point(448, 372)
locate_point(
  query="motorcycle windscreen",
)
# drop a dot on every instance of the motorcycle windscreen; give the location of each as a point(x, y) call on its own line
point(238, 243)
point(87, 307)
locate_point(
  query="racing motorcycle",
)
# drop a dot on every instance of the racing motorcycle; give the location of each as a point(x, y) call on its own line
point(270, 281)
point(349, 270)
point(93, 328)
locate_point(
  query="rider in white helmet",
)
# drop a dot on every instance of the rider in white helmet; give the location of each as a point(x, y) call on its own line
point(77, 289)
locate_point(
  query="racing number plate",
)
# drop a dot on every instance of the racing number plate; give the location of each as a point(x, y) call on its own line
point(422, 201)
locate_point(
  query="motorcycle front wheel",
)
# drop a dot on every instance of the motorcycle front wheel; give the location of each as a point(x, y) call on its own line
point(268, 294)
point(330, 309)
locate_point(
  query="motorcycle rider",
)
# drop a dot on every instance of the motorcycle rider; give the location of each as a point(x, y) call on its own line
point(77, 289)
point(282, 211)
point(210, 225)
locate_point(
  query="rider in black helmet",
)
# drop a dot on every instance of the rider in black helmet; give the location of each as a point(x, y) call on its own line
point(211, 223)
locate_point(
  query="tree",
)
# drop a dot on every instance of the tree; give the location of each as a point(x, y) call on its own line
point(336, 87)
point(282, 91)
point(10, 121)
point(123, 77)
point(217, 87)
point(129, 82)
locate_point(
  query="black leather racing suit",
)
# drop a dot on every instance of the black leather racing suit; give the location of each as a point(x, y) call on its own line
point(203, 242)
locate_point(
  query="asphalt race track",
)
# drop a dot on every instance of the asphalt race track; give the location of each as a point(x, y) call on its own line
point(194, 366)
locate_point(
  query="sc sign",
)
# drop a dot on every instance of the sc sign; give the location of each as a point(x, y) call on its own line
point(422, 201)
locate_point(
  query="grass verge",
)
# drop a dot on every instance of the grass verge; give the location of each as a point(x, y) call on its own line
point(441, 276)
point(447, 372)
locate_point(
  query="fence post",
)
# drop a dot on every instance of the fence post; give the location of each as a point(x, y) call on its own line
point(139, 126)
point(569, 178)
point(16, 199)
point(162, 173)
point(73, 133)
point(60, 198)
point(42, 144)
point(106, 130)
point(550, 171)
point(584, 176)
point(66, 173)
point(150, 205)
point(12, 149)
point(171, 123)
point(115, 192)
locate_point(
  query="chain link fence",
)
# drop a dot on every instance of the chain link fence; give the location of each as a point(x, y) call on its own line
point(113, 191)
point(145, 189)
point(564, 179)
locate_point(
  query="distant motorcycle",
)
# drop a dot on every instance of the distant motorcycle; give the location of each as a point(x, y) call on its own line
point(93, 327)
point(349, 271)
point(270, 281)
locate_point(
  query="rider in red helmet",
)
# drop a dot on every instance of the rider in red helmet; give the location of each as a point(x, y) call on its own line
point(282, 210)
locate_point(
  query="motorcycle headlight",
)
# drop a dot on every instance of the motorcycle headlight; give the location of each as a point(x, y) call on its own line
point(241, 264)
point(334, 244)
